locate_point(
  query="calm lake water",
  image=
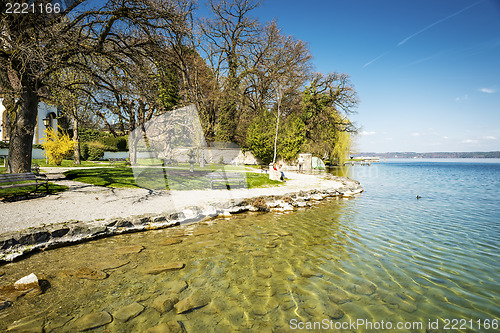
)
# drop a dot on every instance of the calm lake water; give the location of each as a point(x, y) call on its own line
point(366, 264)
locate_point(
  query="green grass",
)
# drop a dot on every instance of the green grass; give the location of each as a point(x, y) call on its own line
point(156, 178)
point(69, 163)
point(20, 191)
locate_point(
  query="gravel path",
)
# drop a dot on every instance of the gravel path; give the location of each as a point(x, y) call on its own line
point(84, 202)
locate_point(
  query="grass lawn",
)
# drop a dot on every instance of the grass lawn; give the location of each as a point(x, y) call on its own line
point(157, 178)
point(69, 163)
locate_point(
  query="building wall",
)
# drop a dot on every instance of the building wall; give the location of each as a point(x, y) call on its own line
point(44, 111)
point(210, 155)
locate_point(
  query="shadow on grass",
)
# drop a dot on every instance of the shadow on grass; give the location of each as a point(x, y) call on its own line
point(157, 178)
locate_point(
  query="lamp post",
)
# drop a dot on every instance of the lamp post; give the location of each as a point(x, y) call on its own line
point(46, 122)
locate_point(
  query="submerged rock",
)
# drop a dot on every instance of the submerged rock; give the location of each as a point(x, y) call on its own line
point(365, 288)
point(90, 274)
point(171, 241)
point(164, 303)
point(175, 287)
point(57, 322)
point(4, 305)
point(204, 231)
point(264, 273)
point(339, 296)
point(334, 311)
point(195, 301)
point(173, 266)
point(11, 293)
point(169, 327)
point(111, 264)
point(308, 273)
point(129, 249)
point(27, 282)
point(92, 320)
point(27, 325)
point(128, 312)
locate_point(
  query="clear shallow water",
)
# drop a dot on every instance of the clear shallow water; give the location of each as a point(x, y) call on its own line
point(383, 256)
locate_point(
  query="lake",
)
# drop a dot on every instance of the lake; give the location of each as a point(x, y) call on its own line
point(383, 261)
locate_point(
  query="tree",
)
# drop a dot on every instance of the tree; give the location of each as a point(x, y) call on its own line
point(227, 40)
point(281, 69)
point(72, 93)
point(326, 103)
point(260, 137)
point(341, 148)
point(33, 47)
point(292, 138)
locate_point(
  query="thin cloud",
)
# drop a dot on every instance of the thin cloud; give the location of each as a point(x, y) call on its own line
point(463, 98)
point(489, 137)
point(438, 22)
point(470, 141)
point(487, 90)
point(365, 133)
point(375, 59)
point(421, 31)
point(416, 134)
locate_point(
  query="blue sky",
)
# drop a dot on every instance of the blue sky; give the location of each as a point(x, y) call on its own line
point(427, 71)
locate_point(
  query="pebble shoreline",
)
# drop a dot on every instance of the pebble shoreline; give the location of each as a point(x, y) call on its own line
point(16, 244)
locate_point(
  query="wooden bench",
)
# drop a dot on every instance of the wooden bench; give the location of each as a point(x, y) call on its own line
point(227, 179)
point(13, 180)
point(113, 160)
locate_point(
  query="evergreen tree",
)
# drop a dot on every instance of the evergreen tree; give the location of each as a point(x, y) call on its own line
point(260, 137)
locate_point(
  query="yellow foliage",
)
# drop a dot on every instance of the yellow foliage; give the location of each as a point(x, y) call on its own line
point(342, 147)
point(57, 145)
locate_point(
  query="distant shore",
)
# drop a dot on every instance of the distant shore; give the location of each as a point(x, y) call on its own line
point(86, 212)
point(488, 154)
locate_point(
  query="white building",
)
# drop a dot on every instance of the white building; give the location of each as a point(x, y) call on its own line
point(46, 118)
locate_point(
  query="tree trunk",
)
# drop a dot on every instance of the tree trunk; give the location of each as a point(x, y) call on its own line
point(277, 125)
point(132, 140)
point(21, 135)
point(77, 159)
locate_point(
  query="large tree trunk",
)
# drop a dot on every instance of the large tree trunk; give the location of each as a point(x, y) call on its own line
point(132, 140)
point(77, 158)
point(22, 130)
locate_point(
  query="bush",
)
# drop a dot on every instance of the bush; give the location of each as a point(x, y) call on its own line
point(90, 135)
point(112, 143)
point(84, 151)
point(57, 145)
point(95, 151)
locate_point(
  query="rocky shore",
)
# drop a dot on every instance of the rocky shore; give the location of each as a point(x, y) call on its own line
point(301, 192)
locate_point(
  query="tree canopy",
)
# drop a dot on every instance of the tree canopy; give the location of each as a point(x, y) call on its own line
point(128, 61)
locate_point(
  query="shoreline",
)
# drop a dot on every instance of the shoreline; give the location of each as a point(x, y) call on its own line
point(86, 212)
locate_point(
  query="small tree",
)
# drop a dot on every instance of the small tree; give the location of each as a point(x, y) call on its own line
point(292, 138)
point(260, 137)
point(57, 145)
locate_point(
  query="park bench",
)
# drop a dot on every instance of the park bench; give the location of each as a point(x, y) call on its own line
point(113, 160)
point(12, 180)
point(227, 179)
